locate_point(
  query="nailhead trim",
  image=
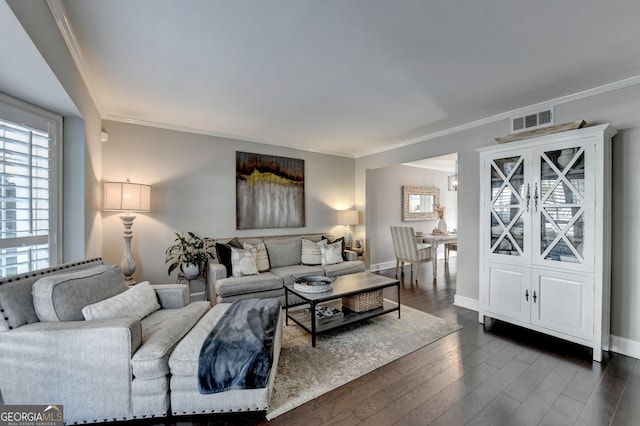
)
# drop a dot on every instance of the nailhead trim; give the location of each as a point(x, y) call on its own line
point(41, 272)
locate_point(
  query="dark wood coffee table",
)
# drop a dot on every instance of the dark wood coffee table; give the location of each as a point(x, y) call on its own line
point(345, 285)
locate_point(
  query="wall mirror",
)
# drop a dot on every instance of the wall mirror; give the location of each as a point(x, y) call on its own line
point(419, 203)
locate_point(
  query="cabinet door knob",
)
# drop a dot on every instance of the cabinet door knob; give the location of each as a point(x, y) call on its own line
point(535, 196)
point(534, 297)
point(526, 295)
point(528, 196)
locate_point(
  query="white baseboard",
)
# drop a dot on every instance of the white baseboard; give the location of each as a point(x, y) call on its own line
point(381, 266)
point(617, 344)
point(392, 264)
point(466, 302)
point(624, 346)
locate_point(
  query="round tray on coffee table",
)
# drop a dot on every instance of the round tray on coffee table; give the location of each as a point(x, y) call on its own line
point(313, 284)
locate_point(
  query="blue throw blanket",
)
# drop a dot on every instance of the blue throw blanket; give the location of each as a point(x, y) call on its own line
point(238, 353)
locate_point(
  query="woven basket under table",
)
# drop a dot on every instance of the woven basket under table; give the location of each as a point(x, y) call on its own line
point(363, 301)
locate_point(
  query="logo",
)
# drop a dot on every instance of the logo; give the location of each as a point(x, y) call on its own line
point(31, 415)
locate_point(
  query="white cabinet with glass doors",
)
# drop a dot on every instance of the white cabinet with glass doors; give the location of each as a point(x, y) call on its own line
point(545, 234)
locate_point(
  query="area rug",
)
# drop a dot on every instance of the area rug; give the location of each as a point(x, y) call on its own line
point(344, 354)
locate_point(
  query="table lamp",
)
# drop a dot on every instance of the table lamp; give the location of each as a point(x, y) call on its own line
point(346, 218)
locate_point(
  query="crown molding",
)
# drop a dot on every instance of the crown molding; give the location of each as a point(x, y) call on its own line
point(610, 87)
point(239, 138)
point(59, 14)
point(605, 88)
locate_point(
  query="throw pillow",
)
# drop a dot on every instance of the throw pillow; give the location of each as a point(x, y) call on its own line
point(284, 252)
point(235, 242)
point(61, 297)
point(137, 302)
point(262, 258)
point(224, 256)
point(311, 253)
point(223, 253)
point(243, 262)
point(335, 240)
point(331, 253)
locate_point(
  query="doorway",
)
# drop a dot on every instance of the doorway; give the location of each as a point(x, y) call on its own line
point(385, 203)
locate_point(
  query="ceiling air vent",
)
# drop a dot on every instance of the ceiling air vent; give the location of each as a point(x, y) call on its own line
point(532, 120)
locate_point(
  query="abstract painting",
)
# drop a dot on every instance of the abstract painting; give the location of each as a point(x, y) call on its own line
point(269, 191)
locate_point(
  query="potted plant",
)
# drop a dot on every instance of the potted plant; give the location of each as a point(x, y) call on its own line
point(187, 254)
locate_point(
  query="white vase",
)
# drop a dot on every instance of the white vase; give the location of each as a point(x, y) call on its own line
point(566, 155)
point(442, 226)
point(191, 269)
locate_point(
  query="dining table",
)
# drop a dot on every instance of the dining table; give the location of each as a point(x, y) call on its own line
point(435, 240)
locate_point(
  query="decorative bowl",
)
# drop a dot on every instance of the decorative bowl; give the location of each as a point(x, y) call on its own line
point(313, 284)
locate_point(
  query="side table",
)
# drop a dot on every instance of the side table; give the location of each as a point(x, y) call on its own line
point(200, 281)
point(356, 253)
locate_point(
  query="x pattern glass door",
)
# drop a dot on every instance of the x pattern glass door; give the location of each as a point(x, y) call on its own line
point(510, 200)
point(560, 205)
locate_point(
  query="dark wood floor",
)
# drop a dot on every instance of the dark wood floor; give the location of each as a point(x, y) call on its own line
point(482, 375)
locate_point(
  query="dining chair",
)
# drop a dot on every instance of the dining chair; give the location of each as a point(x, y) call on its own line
point(408, 250)
point(449, 247)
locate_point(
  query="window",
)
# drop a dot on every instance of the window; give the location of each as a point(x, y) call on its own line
point(29, 195)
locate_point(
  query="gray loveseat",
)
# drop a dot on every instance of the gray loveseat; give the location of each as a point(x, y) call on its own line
point(287, 258)
point(116, 364)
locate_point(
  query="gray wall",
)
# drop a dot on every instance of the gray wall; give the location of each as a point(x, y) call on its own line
point(384, 208)
point(193, 189)
point(621, 108)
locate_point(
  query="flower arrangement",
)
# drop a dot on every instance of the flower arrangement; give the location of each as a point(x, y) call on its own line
point(441, 228)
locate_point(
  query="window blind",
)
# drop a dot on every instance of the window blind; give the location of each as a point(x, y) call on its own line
point(25, 198)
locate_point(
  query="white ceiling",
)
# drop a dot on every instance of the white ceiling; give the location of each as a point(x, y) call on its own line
point(346, 77)
point(444, 163)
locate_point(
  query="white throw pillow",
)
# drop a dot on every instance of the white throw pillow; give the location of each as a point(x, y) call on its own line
point(262, 257)
point(243, 262)
point(311, 253)
point(137, 302)
point(331, 253)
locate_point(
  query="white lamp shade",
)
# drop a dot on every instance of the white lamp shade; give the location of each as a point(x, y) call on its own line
point(348, 217)
point(126, 196)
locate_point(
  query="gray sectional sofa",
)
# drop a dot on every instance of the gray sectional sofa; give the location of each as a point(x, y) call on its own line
point(288, 258)
point(75, 335)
